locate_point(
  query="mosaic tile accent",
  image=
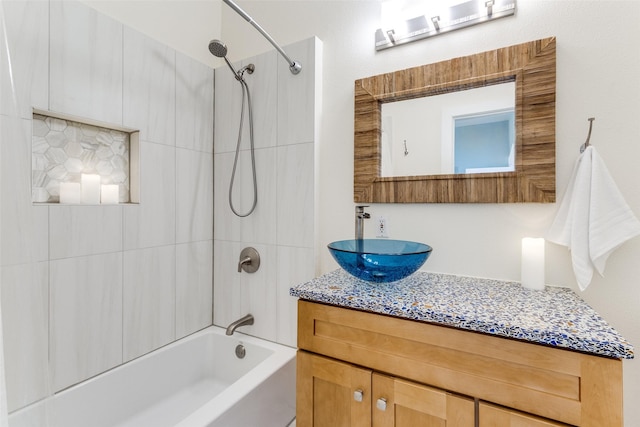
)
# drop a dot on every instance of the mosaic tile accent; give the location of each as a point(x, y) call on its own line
point(555, 317)
point(62, 150)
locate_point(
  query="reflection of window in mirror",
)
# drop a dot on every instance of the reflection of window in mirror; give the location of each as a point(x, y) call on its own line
point(484, 142)
point(418, 134)
point(386, 142)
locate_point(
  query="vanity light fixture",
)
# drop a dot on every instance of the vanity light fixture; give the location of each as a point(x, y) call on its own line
point(458, 16)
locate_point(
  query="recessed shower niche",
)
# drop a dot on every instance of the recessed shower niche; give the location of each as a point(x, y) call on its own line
point(81, 161)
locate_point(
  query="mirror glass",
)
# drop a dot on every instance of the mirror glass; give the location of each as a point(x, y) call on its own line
point(470, 131)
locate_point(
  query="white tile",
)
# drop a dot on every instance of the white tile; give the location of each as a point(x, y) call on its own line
point(86, 62)
point(263, 89)
point(194, 196)
point(244, 192)
point(84, 230)
point(194, 287)
point(85, 317)
point(149, 87)
point(259, 294)
point(226, 290)
point(153, 221)
point(259, 225)
point(40, 221)
point(149, 300)
point(226, 225)
point(228, 99)
point(25, 319)
point(263, 86)
point(297, 95)
point(295, 266)
point(237, 294)
point(284, 213)
point(24, 226)
point(295, 217)
point(194, 104)
point(24, 71)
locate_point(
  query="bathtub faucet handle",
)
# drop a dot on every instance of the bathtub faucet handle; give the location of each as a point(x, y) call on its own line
point(249, 260)
point(243, 261)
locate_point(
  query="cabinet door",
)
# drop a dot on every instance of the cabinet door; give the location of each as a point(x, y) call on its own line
point(495, 416)
point(331, 393)
point(401, 403)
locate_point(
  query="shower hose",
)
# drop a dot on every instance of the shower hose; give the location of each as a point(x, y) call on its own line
point(247, 95)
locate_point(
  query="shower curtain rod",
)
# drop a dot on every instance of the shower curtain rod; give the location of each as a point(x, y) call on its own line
point(294, 66)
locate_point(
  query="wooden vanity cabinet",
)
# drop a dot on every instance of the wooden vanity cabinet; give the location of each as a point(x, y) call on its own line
point(495, 416)
point(402, 403)
point(326, 392)
point(357, 368)
point(333, 393)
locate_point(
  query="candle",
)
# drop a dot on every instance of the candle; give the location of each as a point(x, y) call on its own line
point(90, 189)
point(532, 269)
point(110, 194)
point(70, 193)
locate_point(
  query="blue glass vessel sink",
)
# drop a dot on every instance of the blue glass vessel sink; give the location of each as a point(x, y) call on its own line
point(379, 260)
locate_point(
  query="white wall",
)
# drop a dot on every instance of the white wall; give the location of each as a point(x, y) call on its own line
point(185, 25)
point(598, 61)
point(86, 288)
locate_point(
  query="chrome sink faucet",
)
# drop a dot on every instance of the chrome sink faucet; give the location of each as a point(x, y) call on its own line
point(361, 215)
point(246, 320)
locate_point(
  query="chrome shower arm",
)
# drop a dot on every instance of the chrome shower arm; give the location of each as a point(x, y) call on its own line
point(294, 66)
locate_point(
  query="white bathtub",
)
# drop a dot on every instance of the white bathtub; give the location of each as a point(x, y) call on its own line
point(195, 382)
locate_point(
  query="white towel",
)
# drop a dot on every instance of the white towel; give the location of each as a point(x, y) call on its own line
point(593, 219)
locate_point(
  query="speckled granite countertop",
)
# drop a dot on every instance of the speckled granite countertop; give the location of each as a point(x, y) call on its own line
point(555, 316)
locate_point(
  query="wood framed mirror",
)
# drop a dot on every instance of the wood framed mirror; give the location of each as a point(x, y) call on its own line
point(532, 66)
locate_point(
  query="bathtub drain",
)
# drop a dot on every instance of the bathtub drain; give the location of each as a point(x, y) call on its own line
point(240, 351)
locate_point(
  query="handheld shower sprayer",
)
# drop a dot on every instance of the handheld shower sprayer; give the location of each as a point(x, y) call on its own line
point(219, 49)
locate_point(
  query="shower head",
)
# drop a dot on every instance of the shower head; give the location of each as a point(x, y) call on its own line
point(217, 48)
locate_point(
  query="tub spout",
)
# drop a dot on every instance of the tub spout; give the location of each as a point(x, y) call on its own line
point(246, 320)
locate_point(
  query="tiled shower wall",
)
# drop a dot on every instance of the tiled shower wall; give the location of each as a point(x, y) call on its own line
point(91, 287)
point(282, 228)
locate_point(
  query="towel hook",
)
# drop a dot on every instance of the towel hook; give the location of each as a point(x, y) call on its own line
point(586, 143)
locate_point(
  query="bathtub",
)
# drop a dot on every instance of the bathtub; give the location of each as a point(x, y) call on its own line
point(195, 382)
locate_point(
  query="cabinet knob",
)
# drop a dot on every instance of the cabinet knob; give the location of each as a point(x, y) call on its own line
point(381, 404)
point(357, 395)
